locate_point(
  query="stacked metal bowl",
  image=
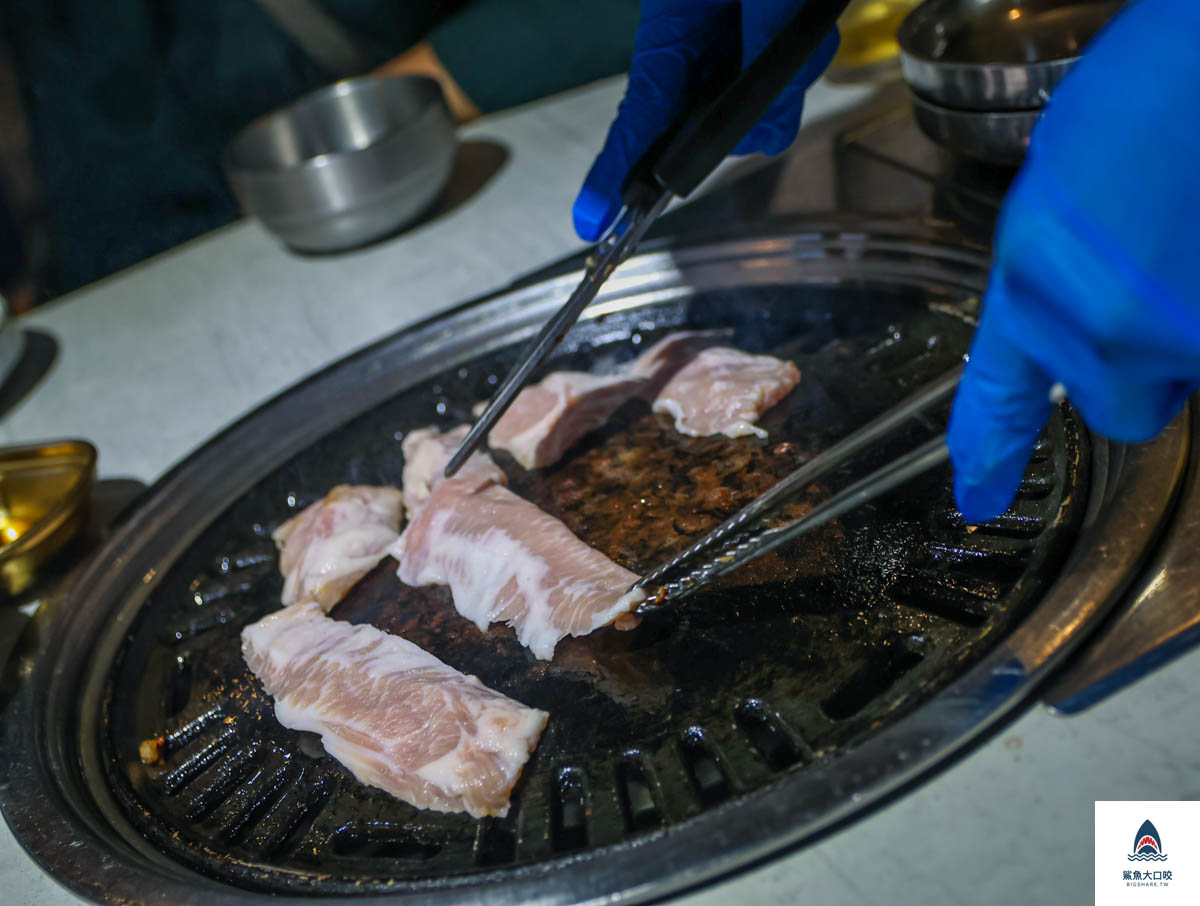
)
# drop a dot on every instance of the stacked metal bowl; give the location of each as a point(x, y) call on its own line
point(980, 72)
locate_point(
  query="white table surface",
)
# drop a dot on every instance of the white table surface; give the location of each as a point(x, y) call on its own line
point(156, 359)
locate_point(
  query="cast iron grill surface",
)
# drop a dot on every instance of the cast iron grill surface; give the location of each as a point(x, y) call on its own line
point(779, 668)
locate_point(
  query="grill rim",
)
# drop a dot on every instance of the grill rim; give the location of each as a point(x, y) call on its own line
point(51, 810)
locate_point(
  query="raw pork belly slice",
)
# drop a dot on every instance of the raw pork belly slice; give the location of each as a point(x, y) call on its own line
point(426, 452)
point(506, 560)
point(394, 715)
point(548, 417)
point(327, 547)
point(660, 362)
point(724, 391)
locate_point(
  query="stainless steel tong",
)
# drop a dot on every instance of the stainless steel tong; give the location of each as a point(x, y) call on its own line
point(714, 117)
point(745, 536)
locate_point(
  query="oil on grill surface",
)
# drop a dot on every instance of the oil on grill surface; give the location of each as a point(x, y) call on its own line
point(799, 655)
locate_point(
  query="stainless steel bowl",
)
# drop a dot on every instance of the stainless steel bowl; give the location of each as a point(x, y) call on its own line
point(996, 54)
point(994, 137)
point(347, 164)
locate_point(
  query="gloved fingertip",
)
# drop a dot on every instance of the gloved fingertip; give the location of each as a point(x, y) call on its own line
point(592, 213)
point(980, 503)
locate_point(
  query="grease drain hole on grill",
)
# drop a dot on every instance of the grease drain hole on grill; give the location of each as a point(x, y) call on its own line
point(569, 810)
point(495, 844)
point(704, 766)
point(776, 746)
point(885, 666)
point(384, 840)
point(635, 786)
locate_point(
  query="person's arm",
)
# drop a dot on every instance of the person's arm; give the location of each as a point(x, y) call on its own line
point(494, 54)
point(1094, 277)
point(422, 59)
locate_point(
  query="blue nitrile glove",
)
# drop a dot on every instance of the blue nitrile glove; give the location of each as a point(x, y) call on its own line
point(1096, 276)
point(672, 43)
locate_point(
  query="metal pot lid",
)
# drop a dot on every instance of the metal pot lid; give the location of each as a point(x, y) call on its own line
point(811, 693)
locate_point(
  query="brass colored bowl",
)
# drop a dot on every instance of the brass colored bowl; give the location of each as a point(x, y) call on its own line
point(44, 494)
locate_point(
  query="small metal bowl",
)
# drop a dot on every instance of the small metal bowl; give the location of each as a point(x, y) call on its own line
point(999, 138)
point(996, 54)
point(347, 164)
point(44, 494)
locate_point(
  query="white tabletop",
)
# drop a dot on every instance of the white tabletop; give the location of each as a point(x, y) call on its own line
point(156, 359)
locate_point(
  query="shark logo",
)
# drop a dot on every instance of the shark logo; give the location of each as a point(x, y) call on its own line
point(1147, 846)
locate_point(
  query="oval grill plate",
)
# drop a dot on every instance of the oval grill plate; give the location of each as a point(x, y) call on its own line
point(757, 681)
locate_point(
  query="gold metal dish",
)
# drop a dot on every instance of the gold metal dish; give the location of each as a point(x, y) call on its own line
point(44, 494)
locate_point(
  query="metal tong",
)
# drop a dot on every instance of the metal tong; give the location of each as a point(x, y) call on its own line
point(715, 116)
point(742, 538)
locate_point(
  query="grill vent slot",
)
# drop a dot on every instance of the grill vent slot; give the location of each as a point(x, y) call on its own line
point(885, 666)
point(568, 810)
point(636, 789)
point(209, 589)
point(384, 841)
point(496, 845)
point(187, 626)
point(769, 739)
point(196, 763)
point(957, 597)
point(1037, 486)
point(982, 560)
point(227, 776)
point(1006, 525)
point(255, 800)
point(231, 563)
point(294, 818)
point(704, 767)
point(179, 685)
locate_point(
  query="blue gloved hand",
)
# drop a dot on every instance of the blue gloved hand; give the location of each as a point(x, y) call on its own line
point(670, 49)
point(1094, 280)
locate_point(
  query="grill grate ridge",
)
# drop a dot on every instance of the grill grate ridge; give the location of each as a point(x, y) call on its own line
point(228, 773)
point(1007, 525)
point(960, 597)
point(986, 560)
point(195, 764)
point(283, 829)
point(385, 840)
point(255, 800)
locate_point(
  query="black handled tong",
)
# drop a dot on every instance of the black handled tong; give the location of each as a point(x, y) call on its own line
point(714, 119)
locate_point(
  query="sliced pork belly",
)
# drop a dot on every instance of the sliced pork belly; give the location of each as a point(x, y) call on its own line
point(506, 560)
point(724, 391)
point(660, 362)
point(394, 715)
point(426, 452)
point(330, 545)
point(547, 418)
